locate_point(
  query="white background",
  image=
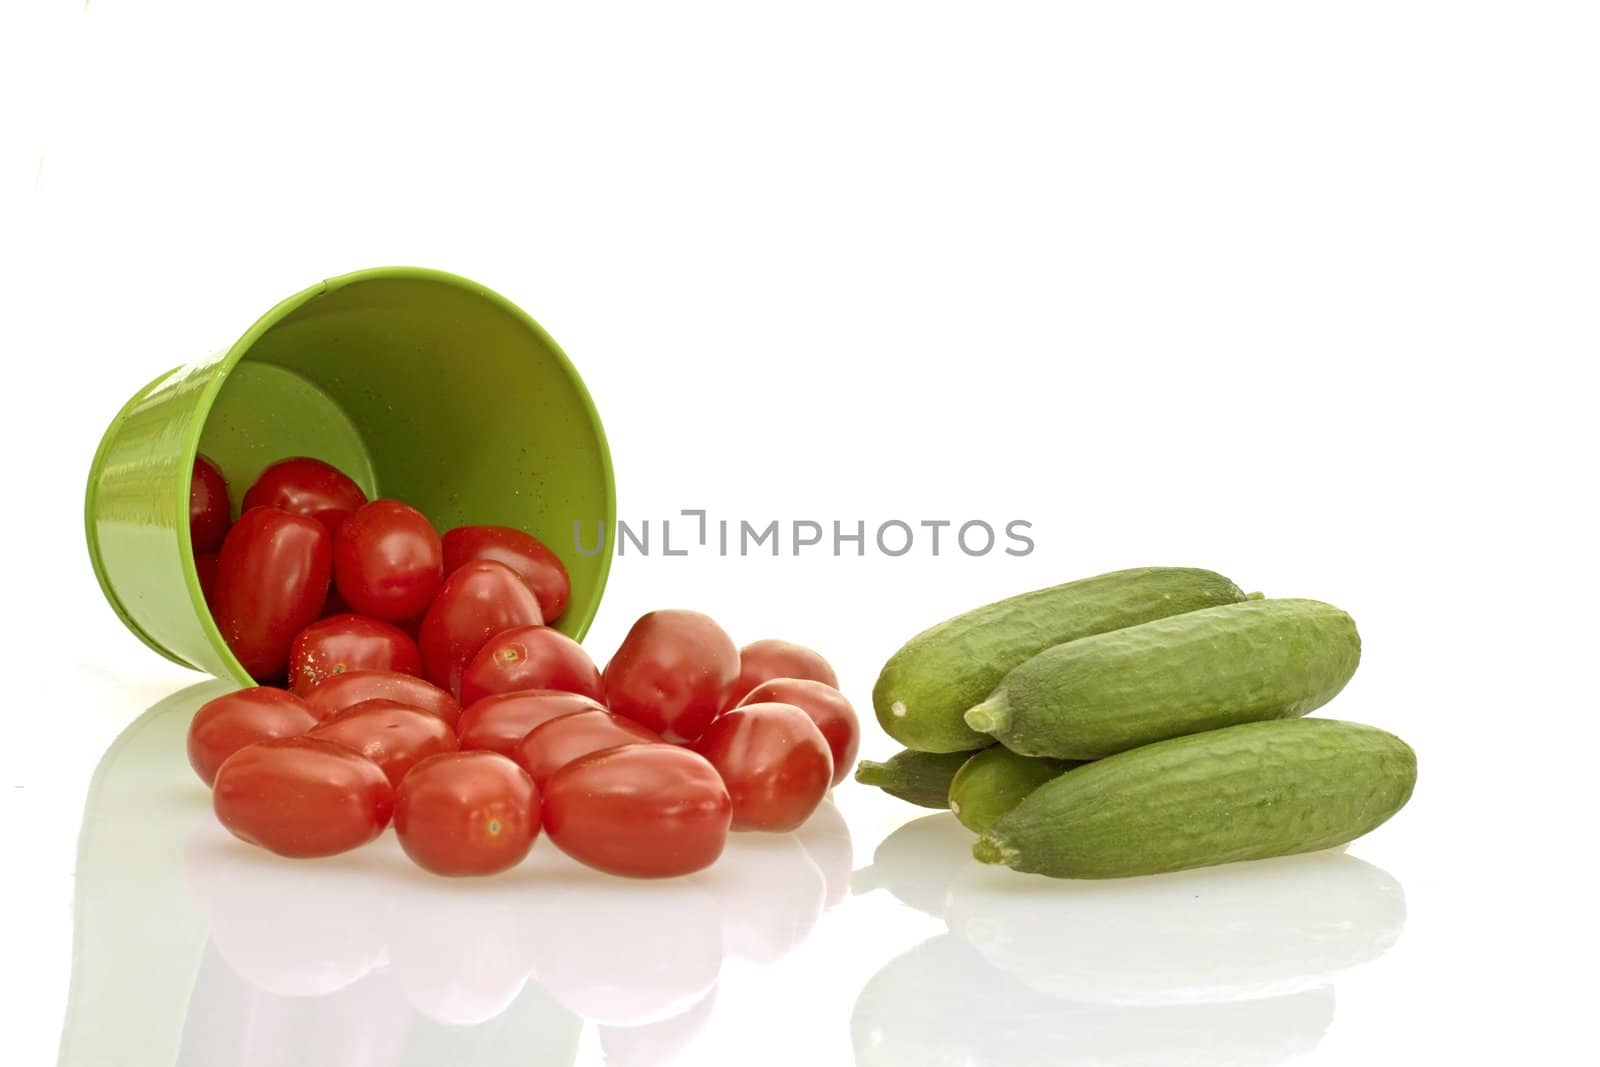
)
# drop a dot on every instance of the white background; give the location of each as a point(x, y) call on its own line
point(1304, 293)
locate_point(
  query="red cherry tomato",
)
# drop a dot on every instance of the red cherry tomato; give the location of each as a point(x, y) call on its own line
point(205, 568)
point(554, 744)
point(531, 657)
point(302, 796)
point(761, 661)
point(331, 696)
point(499, 721)
point(272, 579)
point(475, 603)
point(387, 561)
point(643, 811)
point(230, 722)
point(673, 673)
point(827, 707)
point(394, 736)
point(309, 487)
point(467, 813)
point(339, 643)
point(209, 507)
point(534, 563)
point(774, 761)
point(337, 606)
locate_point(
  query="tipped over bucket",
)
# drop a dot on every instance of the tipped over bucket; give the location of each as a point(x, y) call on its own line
point(419, 385)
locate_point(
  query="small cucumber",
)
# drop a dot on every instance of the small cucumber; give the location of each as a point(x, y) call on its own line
point(921, 778)
point(994, 781)
point(924, 688)
point(1240, 793)
point(1259, 659)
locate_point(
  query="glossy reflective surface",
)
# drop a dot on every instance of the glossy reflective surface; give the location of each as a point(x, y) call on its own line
point(194, 949)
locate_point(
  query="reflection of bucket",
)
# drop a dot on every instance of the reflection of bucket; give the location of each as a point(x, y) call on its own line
point(418, 384)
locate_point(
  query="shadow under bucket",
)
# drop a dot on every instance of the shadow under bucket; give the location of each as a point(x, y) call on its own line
point(418, 384)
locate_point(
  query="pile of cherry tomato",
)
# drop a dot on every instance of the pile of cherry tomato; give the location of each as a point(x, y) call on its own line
point(411, 678)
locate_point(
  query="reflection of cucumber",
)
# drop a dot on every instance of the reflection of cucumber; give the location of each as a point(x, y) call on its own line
point(943, 671)
point(996, 780)
point(921, 778)
point(917, 862)
point(1212, 935)
point(1241, 793)
point(1261, 659)
point(921, 1007)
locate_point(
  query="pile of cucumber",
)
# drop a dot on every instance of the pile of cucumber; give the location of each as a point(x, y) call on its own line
point(1147, 720)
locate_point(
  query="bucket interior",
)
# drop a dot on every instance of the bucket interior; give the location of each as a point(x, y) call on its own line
point(432, 392)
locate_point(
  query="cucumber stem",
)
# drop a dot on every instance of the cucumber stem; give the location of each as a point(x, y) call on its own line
point(991, 715)
point(870, 772)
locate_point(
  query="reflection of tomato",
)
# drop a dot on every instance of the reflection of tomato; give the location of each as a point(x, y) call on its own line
point(774, 761)
point(475, 603)
point(673, 673)
point(339, 643)
point(394, 736)
point(643, 811)
point(623, 953)
point(552, 745)
point(387, 561)
point(225, 725)
point(826, 839)
point(534, 563)
point(827, 707)
point(531, 657)
point(658, 1040)
point(340, 691)
point(452, 974)
point(291, 930)
point(272, 579)
point(500, 721)
point(770, 895)
point(309, 487)
point(209, 509)
point(761, 661)
point(467, 813)
point(301, 796)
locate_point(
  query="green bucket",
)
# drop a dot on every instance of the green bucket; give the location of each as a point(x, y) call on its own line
point(418, 384)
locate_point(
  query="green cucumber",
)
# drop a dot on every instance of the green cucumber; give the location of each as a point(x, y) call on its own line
point(921, 778)
point(1245, 662)
point(937, 675)
point(994, 781)
point(1240, 793)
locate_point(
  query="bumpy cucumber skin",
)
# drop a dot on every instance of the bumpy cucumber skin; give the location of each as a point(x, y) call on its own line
point(1241, 793)
point(994, 781)
point(940, 673)
point(920, 778)
point(1245, 662)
